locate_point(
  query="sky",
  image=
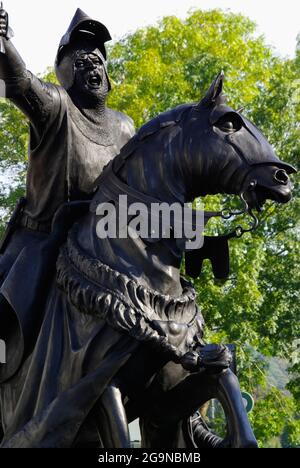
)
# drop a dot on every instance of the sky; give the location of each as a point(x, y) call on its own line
point(39, 25)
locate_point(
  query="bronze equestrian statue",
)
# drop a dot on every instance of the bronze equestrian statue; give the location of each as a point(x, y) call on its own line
point(119, 335)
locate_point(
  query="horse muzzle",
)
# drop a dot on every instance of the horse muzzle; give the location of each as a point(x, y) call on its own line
point(279, 193)
point(267, 183)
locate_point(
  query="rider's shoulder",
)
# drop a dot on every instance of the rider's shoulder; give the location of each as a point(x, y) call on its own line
point(125, 122)
point(58, 92)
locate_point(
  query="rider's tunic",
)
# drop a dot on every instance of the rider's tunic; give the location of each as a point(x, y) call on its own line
point(67, 153)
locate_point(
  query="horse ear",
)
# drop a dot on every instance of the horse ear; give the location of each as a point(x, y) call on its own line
point(215, 90)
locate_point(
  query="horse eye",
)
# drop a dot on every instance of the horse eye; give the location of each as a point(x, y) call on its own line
point(229, 123)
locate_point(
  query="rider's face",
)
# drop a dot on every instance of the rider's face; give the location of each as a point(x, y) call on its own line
point(90, 75)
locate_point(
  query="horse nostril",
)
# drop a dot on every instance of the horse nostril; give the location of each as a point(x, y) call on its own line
point(281, 176)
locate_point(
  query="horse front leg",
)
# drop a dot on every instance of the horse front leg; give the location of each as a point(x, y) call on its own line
point(229, 394)
point(111, 418)
point(184, 399)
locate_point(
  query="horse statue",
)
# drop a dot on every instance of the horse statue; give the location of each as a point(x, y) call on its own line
point(120, 335)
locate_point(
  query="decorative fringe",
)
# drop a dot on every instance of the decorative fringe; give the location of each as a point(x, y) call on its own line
point(94, 288)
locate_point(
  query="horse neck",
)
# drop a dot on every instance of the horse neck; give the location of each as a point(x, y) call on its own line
point(155, 170)
point(171, 167)
point(152, 171)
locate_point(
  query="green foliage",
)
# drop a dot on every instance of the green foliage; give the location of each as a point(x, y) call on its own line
point(294, 385)
point(174, 62)
point(160, 67)
point(274, 415)
point(13, 137)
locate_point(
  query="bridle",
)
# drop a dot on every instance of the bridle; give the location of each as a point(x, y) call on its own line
point(239, 231)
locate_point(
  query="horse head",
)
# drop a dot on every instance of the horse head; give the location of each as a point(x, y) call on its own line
point(229, 154)
point(190, 151)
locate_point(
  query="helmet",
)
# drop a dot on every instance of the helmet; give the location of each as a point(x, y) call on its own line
point(82, 29)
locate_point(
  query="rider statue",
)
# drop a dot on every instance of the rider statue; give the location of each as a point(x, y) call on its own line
point(73, 135)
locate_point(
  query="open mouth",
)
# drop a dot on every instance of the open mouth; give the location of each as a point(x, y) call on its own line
point(94, 81)
point(257, 197)
point(280, 193)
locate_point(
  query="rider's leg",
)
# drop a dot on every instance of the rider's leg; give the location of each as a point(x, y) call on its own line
point(111, 418)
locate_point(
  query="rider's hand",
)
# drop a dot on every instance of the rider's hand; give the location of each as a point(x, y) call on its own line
point(190, 361)
point(215, 357)
point(3, 23)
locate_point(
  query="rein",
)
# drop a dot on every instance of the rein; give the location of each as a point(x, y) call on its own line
point(239, 231)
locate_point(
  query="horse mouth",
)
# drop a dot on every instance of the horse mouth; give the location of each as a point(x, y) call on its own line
point(279, 193)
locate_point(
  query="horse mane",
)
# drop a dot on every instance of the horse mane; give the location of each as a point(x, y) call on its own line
point(165, 119)
point(168, 118)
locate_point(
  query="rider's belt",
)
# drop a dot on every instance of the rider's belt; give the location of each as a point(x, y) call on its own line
point(29, 223)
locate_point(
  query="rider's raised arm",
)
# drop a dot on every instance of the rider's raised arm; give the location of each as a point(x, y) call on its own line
point(31, 95)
